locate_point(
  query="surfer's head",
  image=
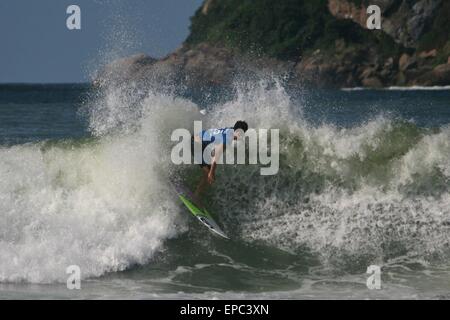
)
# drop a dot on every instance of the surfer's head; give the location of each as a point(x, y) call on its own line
point(240, 127)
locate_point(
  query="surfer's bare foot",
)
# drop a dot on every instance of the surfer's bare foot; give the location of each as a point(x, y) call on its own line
point(197, 199)
point(199, 189)
point(203, 182)
point(202, 186)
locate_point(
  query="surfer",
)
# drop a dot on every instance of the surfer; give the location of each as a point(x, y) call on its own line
point(221, 137)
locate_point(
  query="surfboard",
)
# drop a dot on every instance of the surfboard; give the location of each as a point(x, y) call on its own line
point(189, 200)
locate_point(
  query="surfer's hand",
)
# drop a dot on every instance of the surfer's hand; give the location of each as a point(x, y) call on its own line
point(211, 177)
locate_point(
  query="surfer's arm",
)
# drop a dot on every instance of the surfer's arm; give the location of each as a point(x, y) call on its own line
point(218, 149)
point(197, 138)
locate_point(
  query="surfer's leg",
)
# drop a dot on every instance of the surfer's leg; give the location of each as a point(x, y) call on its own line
point(203, 182)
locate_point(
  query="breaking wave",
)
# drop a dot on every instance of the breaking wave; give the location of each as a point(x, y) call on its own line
point(369, 193)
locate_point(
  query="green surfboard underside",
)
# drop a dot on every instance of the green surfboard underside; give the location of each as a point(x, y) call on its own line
point(200, 213)
point(194, 209)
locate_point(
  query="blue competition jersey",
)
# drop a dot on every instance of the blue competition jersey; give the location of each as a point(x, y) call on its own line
point(217, 135)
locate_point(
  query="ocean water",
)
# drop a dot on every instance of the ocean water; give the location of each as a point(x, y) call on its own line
point(364, 180)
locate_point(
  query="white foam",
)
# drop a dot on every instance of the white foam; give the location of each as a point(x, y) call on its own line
point(103, 205)
point(361, 195)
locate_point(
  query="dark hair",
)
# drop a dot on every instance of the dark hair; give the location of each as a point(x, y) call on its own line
point(241, 125)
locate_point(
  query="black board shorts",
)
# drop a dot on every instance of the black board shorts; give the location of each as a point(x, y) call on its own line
point(204, 145)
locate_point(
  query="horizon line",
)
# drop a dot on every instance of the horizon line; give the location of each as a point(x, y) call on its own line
point(44, 83)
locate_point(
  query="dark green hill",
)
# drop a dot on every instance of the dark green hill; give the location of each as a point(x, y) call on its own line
point(284, 29)
point(319, 43)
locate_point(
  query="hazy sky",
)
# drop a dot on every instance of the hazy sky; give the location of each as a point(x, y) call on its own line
point(36, 46)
